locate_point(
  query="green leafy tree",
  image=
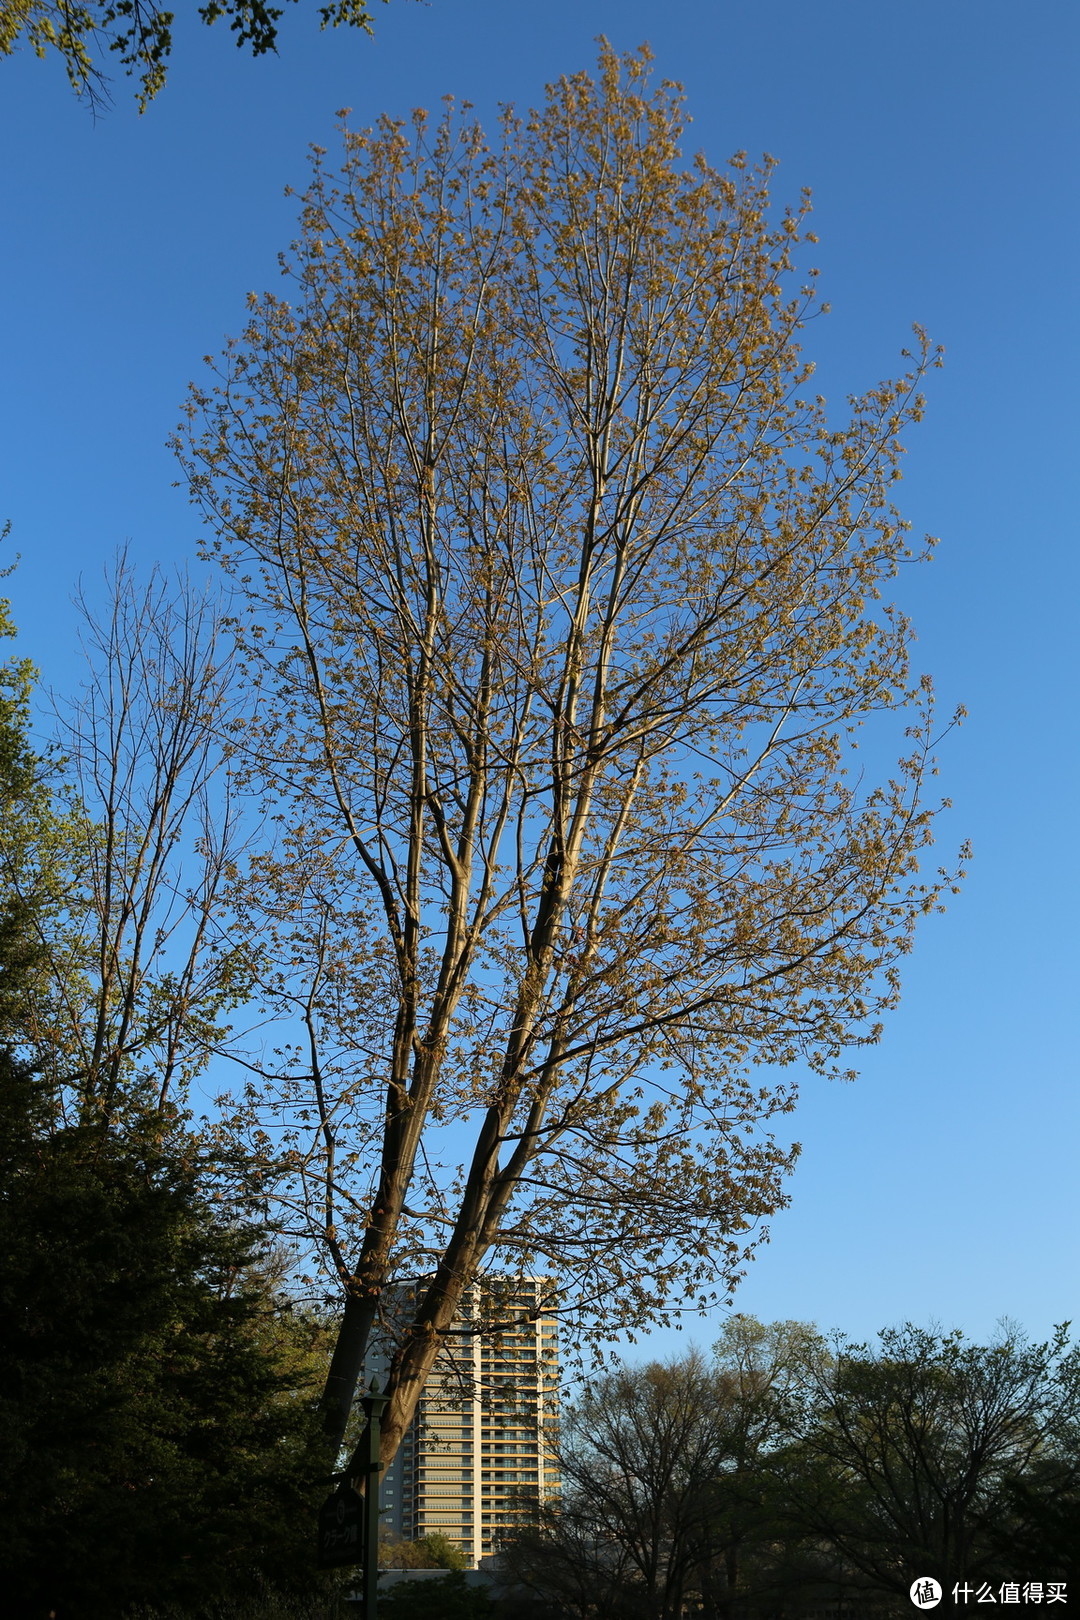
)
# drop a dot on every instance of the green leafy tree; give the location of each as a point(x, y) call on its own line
point(561, 607)
point(36, 837)
point(762, 1373)
point(790, 1475)
point(929, 1454)
point(140, 34)
point(434, 1551)
point(1041, 1530)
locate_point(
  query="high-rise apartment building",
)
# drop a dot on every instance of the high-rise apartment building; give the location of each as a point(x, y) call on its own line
point(482, 1444)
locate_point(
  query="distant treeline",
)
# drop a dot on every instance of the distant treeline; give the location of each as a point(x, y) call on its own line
point(788, 1473)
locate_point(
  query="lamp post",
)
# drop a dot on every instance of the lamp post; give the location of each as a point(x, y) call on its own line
point(374, 1404)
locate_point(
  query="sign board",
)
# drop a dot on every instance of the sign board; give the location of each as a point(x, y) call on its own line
point(341, 1538)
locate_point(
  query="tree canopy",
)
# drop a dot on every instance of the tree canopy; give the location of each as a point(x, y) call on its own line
point(140, 34)
point(935, 1453)
point(561, 606)
point(35, 851)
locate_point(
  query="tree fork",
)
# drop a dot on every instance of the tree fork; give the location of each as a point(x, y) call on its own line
point(346, 1366)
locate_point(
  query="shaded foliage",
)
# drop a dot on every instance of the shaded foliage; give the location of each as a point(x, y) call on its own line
point(666, 1486)
point(921, 1451)
point(156, 1399)
point(156, 1393)
point(139, 34)
point(450, 1597)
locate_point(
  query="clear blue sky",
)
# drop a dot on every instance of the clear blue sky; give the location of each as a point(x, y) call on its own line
point(940, 138)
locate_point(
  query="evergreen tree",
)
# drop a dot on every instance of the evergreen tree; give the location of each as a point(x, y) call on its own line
point(156, 1441)
point(155, 1397)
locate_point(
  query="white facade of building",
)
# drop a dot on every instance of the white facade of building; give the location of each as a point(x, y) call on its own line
point(482, 1443)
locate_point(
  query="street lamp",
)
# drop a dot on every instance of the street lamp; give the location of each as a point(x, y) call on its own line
point(374, 1404)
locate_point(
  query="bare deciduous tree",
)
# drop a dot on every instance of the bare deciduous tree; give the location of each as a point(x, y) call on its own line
point(138, 970)
point(643, 1453)
point(666, 1475)
point(563, 614)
